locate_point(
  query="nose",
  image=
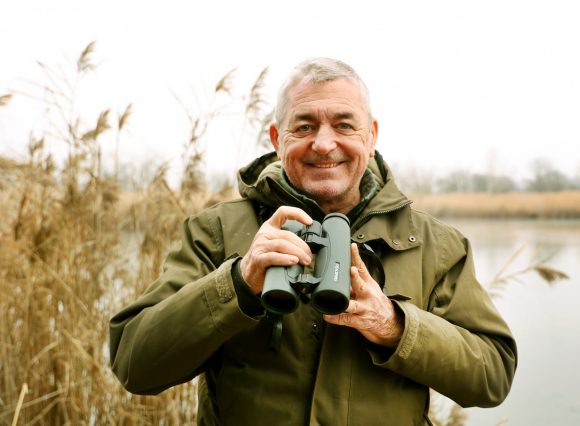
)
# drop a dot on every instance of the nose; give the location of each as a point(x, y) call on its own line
point(324, 140)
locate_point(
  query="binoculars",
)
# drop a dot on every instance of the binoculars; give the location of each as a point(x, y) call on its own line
point(329, 286)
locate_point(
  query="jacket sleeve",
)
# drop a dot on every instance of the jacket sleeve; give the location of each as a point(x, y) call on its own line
point(169, 334)
point(459, 346)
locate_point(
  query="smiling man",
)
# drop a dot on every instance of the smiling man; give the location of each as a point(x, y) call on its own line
point(424, 322)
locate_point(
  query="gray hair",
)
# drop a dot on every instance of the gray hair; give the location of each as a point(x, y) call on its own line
point(316, 71)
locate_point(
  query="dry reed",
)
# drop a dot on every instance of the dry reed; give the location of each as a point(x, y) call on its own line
point(68, 262)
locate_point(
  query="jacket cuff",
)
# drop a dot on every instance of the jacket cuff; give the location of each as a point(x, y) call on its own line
point(382, 355)
point(249, 303)
point(221, 299)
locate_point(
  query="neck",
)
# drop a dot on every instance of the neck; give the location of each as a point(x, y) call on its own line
point(338, 206)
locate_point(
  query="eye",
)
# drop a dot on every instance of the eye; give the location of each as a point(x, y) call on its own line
point(345, 127)
point(304, 128)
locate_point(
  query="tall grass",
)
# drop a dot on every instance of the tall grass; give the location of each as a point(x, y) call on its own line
point(68, 262)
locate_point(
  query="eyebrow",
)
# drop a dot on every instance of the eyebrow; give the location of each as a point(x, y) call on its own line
point(311, 117)
point(304, 117)
point(343, 116)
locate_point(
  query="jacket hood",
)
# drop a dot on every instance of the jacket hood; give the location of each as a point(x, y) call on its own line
point(263, 181)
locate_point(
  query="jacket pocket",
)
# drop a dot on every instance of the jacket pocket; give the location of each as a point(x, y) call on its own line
point(398, 296)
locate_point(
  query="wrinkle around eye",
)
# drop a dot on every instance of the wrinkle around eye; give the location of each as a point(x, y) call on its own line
point(300, 134)
point(289, 135)
point(349, 130)
point(346, 130)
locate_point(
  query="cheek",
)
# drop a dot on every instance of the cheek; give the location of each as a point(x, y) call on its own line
point(292, 148)
point(366, 147)
point(358, 148)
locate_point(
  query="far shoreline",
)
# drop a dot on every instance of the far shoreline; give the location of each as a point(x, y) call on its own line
point(510, 205)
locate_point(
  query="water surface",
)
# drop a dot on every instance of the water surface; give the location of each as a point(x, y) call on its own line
point(545, 319)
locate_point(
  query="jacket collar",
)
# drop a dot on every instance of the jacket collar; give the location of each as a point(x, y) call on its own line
point(262, 181)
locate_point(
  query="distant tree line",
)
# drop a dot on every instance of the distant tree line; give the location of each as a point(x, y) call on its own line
point(544, 178)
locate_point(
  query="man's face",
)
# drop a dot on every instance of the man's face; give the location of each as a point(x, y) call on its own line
point(325, 141)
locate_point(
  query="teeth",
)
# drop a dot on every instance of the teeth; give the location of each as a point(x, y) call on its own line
point(326, 166)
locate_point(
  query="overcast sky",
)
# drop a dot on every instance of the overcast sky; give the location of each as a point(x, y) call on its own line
point(454, 84)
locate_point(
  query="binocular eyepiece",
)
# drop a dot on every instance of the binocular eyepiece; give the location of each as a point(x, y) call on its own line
point(329, 286)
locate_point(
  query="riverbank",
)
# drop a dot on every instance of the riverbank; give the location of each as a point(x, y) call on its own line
point(524, 205)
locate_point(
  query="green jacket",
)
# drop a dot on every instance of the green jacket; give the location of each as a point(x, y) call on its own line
point(189, 323)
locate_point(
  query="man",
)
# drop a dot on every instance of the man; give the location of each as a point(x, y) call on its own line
point(428, 325)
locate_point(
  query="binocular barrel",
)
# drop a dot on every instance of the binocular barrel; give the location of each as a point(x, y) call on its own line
point(330, 285)
point(278, 296)
point(332, 294)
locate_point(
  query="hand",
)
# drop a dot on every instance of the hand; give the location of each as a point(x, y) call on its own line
point(370, 311)
point(275, 246)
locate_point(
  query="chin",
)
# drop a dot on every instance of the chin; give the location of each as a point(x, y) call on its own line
point(324, 193)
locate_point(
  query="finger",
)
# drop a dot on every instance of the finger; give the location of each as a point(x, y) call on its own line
point(357, 284)
point(357, 261)
point(284, 213)
point(282, 241)
point(285, 242)
point(305, 252)
point(353, 308)
point(269, 259)
point(340, 319)
point(254, 265)
point(348, 319)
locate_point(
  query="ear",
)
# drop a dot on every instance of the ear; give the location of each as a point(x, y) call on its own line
point(373, 137)
point(274, 138)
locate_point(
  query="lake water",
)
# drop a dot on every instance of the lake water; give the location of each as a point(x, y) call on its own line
point(545, 319)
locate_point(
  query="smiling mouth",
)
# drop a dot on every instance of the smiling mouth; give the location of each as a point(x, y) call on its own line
point(325, 165)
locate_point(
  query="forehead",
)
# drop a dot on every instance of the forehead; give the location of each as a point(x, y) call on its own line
point(341, 95)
